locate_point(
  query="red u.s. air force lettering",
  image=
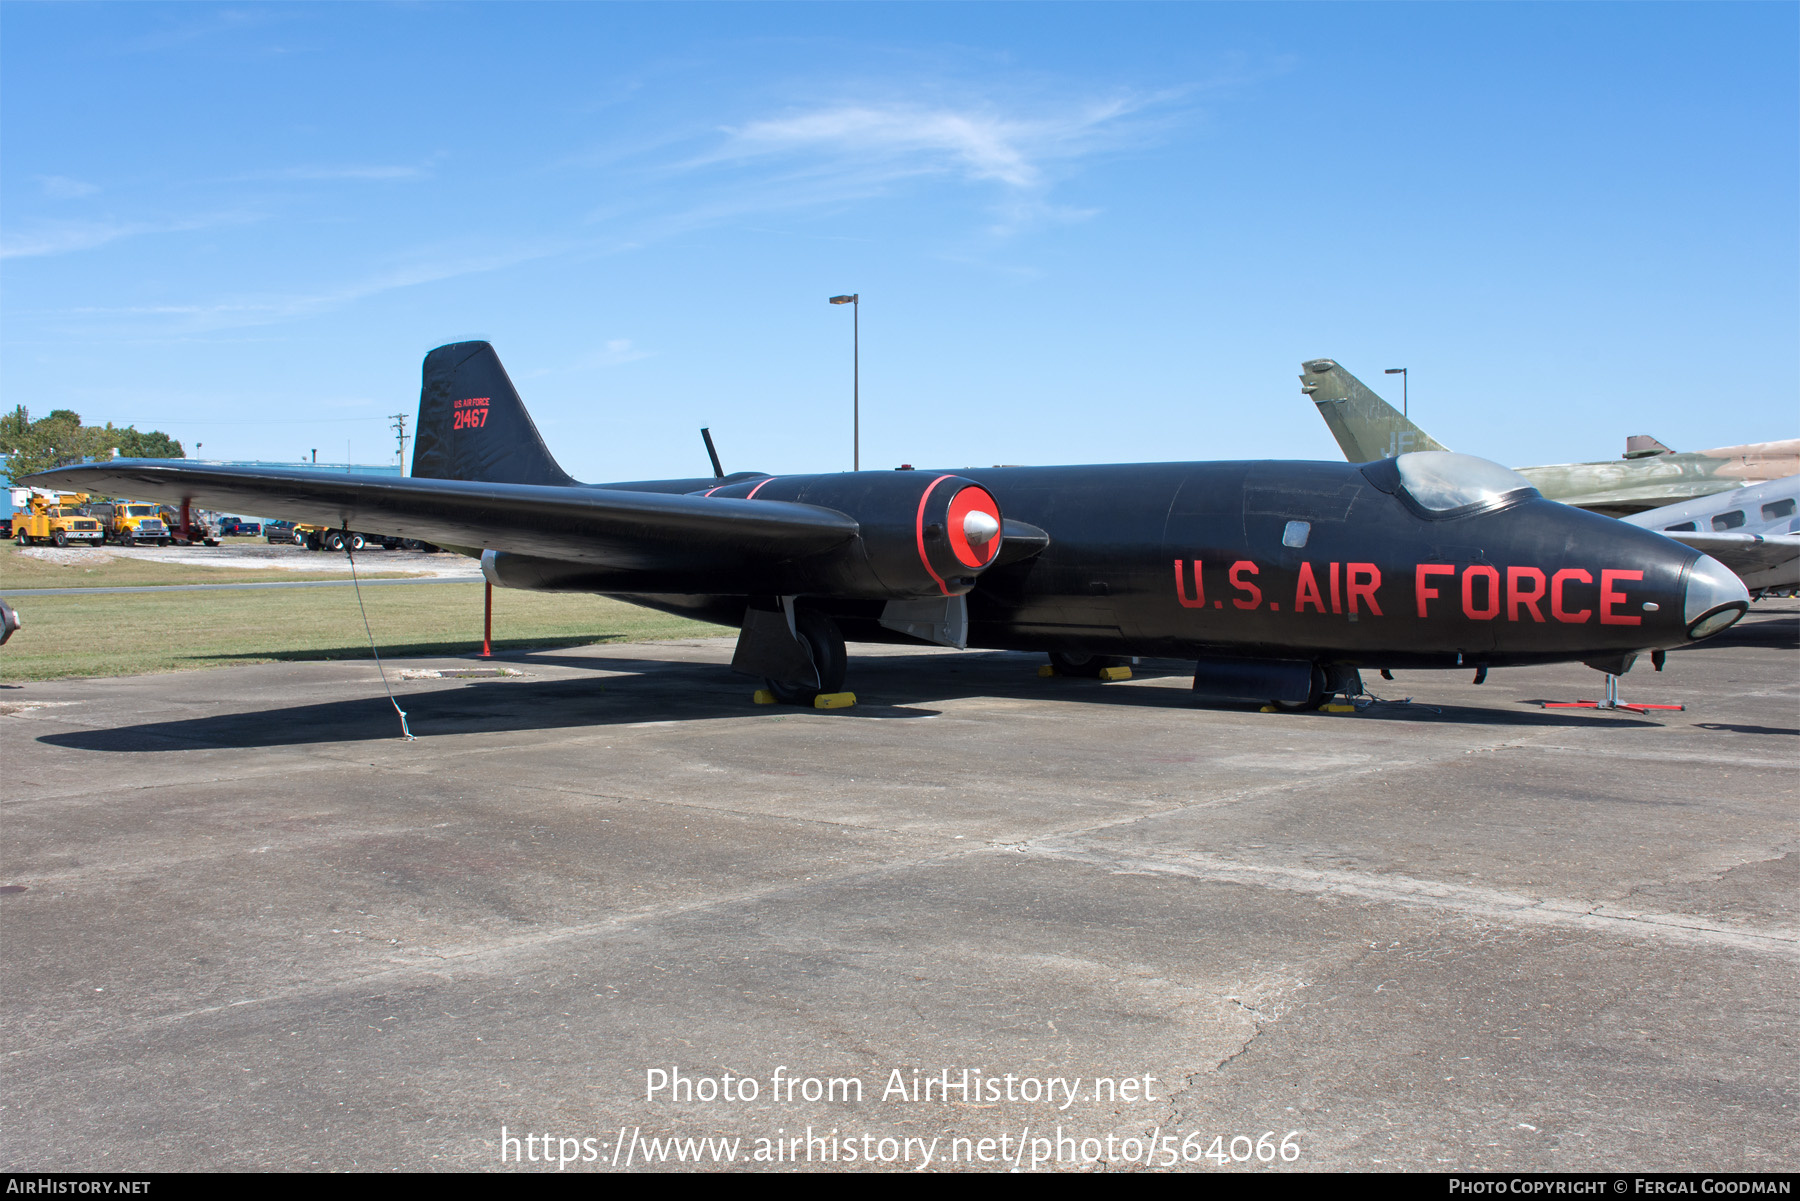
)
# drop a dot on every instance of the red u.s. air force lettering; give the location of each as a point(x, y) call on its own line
point(1521, 594)
point(471, 413)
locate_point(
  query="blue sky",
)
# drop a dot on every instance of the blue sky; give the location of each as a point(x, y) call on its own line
point(1083, 233)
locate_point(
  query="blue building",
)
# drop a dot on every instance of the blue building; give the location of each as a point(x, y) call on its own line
point(306, 465)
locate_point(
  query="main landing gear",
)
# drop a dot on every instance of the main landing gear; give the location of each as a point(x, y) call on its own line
point(824, 644)
point(1317, 689)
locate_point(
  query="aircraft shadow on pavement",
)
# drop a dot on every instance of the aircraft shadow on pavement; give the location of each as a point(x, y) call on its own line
point(890, 687)
point(1742, 729)
point(404, 650)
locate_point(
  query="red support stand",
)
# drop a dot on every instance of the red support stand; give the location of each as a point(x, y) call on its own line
point(487, 622)
point(1612, 701)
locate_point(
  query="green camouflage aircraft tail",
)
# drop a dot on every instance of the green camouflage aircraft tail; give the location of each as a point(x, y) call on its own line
point(1365, 426)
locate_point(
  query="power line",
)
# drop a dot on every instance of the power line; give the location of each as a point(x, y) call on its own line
point(210, 421)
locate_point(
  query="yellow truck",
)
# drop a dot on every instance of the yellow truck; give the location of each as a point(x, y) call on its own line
point(128, 523)
point(56, 517)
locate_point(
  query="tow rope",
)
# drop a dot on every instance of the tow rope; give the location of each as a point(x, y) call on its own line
point(350, 555)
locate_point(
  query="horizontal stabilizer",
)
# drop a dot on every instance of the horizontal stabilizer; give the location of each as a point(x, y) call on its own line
point(624, 530)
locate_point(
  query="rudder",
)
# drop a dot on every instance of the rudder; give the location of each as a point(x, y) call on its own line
point(473, 426)
point(1366, 427)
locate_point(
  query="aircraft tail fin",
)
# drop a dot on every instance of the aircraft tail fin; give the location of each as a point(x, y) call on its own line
point(473, 426)
point(1366, 427)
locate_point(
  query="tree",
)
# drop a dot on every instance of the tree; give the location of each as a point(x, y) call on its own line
point(153, 445)
point(60, 439)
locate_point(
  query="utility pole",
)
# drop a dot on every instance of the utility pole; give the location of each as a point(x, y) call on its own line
point(400, 432)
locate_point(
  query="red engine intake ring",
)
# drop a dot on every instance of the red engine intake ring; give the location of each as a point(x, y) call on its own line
point(971, 511)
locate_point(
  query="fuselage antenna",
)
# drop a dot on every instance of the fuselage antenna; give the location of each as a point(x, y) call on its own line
point(718, 471)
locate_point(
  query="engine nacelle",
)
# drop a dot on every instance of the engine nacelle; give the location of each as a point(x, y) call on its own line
point(921, 534)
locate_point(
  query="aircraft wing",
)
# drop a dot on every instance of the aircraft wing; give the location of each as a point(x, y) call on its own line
point(1751, 556)
point(623, 530)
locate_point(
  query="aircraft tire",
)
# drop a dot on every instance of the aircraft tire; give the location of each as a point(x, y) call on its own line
point(334, 541)
point(1314, 698)
point(826, 642)
point(1085, 666)
point(356, 542)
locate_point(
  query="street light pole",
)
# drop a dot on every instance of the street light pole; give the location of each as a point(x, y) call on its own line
point(854, 300)
point(1401, 372)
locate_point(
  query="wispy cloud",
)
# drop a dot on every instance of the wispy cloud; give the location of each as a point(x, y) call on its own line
point(613, 353)
point(64, 237)
point(266, 309)
point(911, 140)
point(221, 20)
point(839, 153)
point(61, 187)
point(348, 172)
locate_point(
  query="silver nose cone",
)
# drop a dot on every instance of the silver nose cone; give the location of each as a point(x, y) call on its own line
point(1715, 598)
point(979, 528)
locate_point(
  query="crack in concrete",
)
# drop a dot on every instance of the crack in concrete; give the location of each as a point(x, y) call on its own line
point(1486, 903)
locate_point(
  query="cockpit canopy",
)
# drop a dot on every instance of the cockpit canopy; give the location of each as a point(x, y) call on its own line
point(1441, 482)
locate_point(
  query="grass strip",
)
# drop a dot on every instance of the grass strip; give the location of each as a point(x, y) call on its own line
point(114, 634)
point(18, 571)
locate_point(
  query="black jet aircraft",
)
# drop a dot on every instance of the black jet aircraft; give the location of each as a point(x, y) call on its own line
point(1281, 579)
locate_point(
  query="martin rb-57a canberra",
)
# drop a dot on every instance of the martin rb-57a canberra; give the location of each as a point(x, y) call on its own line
point(1281, 579)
